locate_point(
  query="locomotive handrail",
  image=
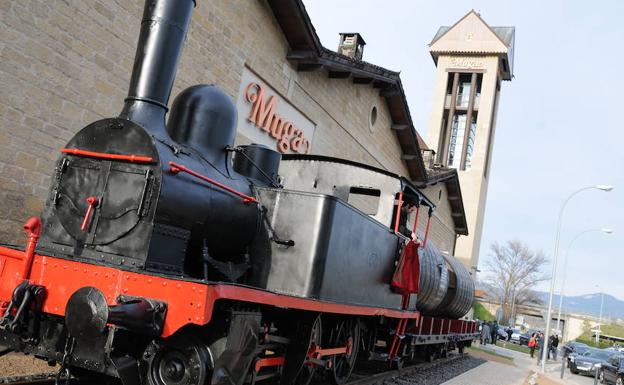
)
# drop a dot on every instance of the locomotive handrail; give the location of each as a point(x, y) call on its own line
point(176, 168)
point(104, 155)
point(398, 215)
point(429, 214)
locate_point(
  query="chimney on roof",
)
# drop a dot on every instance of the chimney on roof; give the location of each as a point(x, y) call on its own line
point(351, 45)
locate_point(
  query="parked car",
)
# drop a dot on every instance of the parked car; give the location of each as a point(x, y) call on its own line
point(515, 336)
point(588, 362)
point(612, 371)
point(573, 349)
point(525, 337)
point(502, 332)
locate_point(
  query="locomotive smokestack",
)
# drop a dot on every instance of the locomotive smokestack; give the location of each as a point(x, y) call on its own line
point(163, 30)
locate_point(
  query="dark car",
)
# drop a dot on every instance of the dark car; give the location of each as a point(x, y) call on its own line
point(524, 338)
point(573, 349)
point(588, 362)
point(573, 345)
point(612, 371)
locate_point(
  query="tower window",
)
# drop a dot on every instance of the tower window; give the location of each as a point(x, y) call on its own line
point(463, 92)
point(470, 145)
point(460, 126)
point(456, 143)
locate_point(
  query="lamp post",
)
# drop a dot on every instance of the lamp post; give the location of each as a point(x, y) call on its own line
point(513, 303)
point(512, 319)
point(565, 268)
point(599, 327)
point(601, 187)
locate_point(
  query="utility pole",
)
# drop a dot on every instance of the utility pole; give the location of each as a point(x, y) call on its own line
point(599, 328)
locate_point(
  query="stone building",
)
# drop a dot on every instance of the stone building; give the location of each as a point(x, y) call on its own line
point(472, 60)
point(66, 64)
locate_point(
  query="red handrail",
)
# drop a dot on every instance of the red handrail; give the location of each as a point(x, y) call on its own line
point(103, 155)
point(176, 168)
point(398, 212)
point(427, 230)
point(415, 227)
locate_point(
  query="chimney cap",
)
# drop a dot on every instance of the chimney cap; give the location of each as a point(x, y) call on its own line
point(360, 39)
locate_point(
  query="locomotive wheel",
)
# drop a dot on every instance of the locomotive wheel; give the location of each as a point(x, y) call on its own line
point(181, 361)
point(348, 333)
point(306, 373)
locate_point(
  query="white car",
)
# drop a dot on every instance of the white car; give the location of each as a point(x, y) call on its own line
point(515, 336)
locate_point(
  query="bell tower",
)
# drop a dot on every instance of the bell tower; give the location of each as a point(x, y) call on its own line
point(472, 61)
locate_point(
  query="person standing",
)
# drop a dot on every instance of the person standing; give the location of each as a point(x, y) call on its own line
point(553, 346)
point(509, 333)
point(549, 347)
point(532, 342)
point(494, 332)
point(540, 347)
point(485, 333)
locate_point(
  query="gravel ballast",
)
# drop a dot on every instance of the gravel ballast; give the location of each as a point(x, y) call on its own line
point(437, 374)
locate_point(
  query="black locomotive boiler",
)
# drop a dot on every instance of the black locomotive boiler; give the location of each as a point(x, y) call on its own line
point(166, 255)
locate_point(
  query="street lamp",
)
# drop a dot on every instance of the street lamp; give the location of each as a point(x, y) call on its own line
point(599, 327)
point(513, 306)
point(603, 187)
point(565, 268)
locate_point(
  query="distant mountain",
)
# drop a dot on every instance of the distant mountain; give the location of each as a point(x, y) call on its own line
point(588, 304)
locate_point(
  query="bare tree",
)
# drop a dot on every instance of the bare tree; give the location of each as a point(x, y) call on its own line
point(513, 271)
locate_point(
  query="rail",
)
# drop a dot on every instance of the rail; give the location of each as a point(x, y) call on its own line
point(358, 378)
point(31, 379)
point(383, 377)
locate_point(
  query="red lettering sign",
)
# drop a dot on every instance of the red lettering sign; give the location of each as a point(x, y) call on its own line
point(263, 115)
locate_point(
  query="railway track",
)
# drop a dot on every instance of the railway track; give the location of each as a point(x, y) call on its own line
point(379, 378)
point(34, 379)
point(358, 378)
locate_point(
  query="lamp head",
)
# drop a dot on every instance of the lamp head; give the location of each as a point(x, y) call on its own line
point(604, 187)
point(607, 231)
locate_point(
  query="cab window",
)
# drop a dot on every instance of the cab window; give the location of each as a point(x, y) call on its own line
point(365, 199)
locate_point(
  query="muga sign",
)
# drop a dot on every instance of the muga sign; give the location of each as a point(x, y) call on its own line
point(274, 121)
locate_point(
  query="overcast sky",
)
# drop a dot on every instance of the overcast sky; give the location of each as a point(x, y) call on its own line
point(559, 124)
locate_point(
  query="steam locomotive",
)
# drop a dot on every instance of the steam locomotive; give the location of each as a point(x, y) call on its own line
point(166, 255)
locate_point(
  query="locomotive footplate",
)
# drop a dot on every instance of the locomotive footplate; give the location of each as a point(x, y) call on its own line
point(93, 335)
